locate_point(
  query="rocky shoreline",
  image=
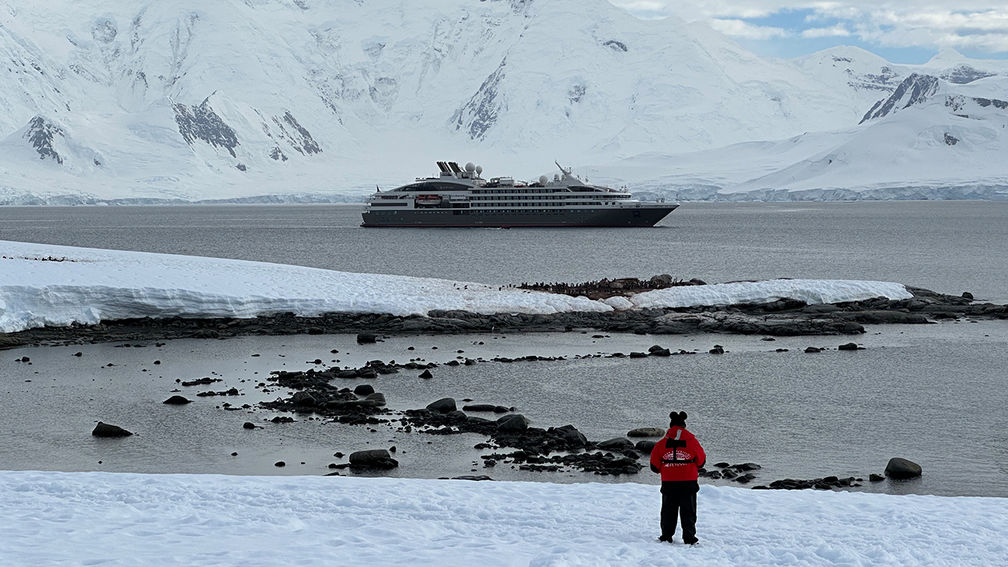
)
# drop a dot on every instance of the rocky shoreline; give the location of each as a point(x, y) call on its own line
point(785, 317)
point(512, 437)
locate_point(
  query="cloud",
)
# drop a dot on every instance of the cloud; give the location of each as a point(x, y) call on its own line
point(929, 24)
point(745, 30)
point(832, 31)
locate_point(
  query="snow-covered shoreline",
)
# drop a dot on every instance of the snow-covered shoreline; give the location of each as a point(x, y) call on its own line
point(136, 519)
point(42, 284)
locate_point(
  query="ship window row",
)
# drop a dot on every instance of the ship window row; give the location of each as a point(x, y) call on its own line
point(523, 191)
point(531, 203)
point(485, 211)
point(534, 197)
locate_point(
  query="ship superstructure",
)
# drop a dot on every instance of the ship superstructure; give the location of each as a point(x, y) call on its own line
point(460, 197)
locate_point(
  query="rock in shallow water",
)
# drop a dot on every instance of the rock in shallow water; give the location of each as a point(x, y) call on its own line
point(109, 430)
point(900, 468)
point(646, 432)
point(372, 459)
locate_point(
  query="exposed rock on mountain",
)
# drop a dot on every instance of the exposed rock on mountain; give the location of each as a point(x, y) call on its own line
point(322, 101)
point(915, 89)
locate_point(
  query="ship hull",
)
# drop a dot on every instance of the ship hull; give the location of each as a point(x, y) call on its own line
point(641, 216)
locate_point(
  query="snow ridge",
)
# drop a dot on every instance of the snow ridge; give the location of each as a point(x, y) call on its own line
point(60, 285)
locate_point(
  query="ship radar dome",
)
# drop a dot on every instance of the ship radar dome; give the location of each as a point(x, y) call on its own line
point(479, 170)
point(543, 179)
point(470, 167)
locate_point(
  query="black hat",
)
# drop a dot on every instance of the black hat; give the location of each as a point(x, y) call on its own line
point(677, 418)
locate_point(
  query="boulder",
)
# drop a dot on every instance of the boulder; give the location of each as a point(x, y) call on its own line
point(570, 435)
point(646, 432)
point(899, 468)
point(372, 459)
point(303, 400)
point(364, 390)
point(177, 400)
point(718, 349)
point(366, 338)
point(444, 405)
point(645, 446)
point(109, 430)
point(849, 346)
point(514, 422)
point(376, 398)
point(617, 444)
point(426, 374)
point(486, 407)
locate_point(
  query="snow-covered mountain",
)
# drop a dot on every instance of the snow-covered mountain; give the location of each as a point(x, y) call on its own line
point(108, 101)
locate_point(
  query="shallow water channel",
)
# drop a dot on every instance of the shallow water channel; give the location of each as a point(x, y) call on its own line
point(934, 394)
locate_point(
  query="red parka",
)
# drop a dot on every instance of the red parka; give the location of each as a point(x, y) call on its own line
point(678, 455)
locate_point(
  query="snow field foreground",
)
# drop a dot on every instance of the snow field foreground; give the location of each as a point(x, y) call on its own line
point(208, 520)
point(42, 284)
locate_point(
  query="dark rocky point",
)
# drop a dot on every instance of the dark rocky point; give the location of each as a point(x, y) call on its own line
point(107, 430)
point(781, 318)
point(426, 374)
point(177, 400)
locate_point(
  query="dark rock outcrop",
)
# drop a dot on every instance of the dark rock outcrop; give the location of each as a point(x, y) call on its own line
point(372, 459)
point(108, 430)
point(444, 405)
point(899, 468)
point(512, 423)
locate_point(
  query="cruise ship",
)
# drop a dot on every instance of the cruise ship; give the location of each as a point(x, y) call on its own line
point(460, 197)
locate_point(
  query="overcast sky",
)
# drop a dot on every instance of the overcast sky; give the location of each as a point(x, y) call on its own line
point(906, 31)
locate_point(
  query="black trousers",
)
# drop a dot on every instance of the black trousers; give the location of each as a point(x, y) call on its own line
point(679, 499)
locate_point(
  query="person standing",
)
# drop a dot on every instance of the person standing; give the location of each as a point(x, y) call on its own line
point(677, 458)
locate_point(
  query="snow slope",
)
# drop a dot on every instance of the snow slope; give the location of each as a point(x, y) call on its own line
point(280, 100)
point(42, 284)
point(209, 520)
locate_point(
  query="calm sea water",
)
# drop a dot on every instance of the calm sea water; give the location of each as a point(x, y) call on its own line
point(934, 394)
point(947, 246)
